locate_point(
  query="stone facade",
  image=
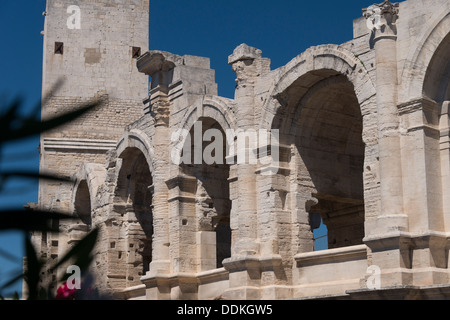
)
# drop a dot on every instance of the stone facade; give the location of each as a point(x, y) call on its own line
point(362, 142)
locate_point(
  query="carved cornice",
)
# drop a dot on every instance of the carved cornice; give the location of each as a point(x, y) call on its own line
point(420, 114)
point(153, 62)
point(421, 104)
point(381, 18)
point(180, 181)
point(84, 145)
point(159, 108)
point(244, 52)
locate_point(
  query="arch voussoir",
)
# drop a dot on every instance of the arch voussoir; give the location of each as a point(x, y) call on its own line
point(313, 65)
point(136, 138)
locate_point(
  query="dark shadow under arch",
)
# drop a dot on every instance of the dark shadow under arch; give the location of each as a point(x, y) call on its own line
point(321, 117)
point(134, 194)
point(437, 79)
point(212, 196)
point(82, 205)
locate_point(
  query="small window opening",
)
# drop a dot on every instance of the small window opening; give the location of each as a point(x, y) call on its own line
point(136, 52)
point(59, 48)
point(320, 233)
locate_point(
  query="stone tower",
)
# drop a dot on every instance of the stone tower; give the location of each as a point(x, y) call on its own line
point(90, 49)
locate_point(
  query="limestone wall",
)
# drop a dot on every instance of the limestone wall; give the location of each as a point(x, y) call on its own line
point(363, 144)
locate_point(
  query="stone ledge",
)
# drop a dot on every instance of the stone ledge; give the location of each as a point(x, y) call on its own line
point(244, 262)
point(66, 144)
point(200, 277)
point(395, 238)
point(402, 293)
point(331, 255)
point(133, 293)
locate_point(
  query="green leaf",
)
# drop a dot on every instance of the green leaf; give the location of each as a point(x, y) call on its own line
point(4, 176)
point(43, 294)
point(12, 281)
point(35, 220)
point(31, 127)
point(10, 114)
point(32, 270)
point(36, 110)
point(35, 175)
point(9, 256)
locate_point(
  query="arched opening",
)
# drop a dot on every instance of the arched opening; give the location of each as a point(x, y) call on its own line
point(82, 209)
point(437, 79)
point(324, 125)
point(436, 106)
point(134, 202)
point(82, 205)
point(329, 142)
point(204, 155)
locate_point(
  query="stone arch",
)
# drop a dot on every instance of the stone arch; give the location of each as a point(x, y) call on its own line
point(87, 180)
point(323, 74)
point(210, 191)
point(136, 138)
point(82, 203)
point(214, 107)
point(133, 209)
point(437, 79)
point(326, 134)
point(417, 66)
point(426, 86)
point(332, 60)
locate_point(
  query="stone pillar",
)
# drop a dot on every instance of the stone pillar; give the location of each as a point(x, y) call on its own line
point(381, 20)
point(424, 170)
point(244, 265)
point(160, 256)
point(76, 233)
point(444, 126)
point(133, 234)
point(206, 250)
point(390, 249)
point(421, 165)
point(160, 70)
point(410, 247)
point(275, 221)
point(247, 64)
point(183, 237)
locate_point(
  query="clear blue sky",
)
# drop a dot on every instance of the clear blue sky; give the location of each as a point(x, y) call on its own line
point(211, 28)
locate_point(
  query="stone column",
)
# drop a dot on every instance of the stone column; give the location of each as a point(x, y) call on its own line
point(183, 237)
point(244, 265)
point(423, 189)
point(381, 20)
point(160, 70)
point(421, 165)
point(444, 123)
point(444, 126)
point(275, 221)
point(160, 256)
point(245, 63)
point(390, 250)
point(133, 234)
point(409, 246)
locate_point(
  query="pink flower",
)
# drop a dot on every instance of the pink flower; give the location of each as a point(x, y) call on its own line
point(64, 293)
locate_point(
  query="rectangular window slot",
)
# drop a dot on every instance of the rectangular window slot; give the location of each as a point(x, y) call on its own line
point(59, 48)
point(136, 52)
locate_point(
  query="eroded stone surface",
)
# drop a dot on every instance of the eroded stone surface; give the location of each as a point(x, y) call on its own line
point(363, 143)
